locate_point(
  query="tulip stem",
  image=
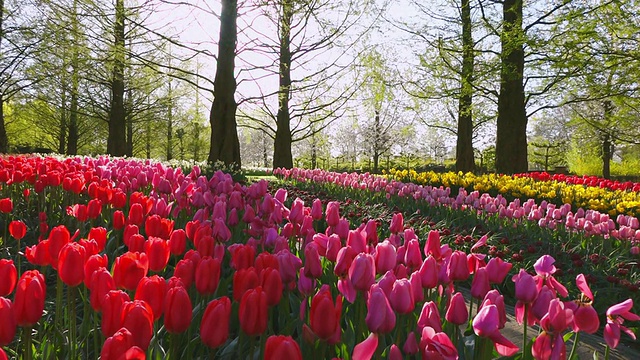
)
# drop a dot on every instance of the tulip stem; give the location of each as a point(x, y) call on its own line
point(606, 353)
point(175, 342)
point(524, 332)
point(72, 321)
point(28, 355)
point(59, 314)
point(576, 339)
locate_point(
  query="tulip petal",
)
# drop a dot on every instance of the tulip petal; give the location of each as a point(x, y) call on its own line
point(503, 345)
point(366, 349)
point(583, 286)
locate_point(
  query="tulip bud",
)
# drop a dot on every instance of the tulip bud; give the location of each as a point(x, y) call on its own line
point(457, 313)
point(152, 290)
point(8, 277)
point(178, 310)
point(9, 323)
point(28, 302)
point(282, 347)
point(207, 275)
point(253, 312)
point(214, 328)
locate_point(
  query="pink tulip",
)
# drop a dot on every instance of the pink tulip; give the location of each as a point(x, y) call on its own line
point(585, 317)
point(312, 263)
point(366, 349)
point(545, 269)
point(333, 213)
point(316, 209)
point(429, 273)
point(362, 272)
point(380, 317)
point(429, 316)
point(457, 269)
point(432, 246)
point(412, 257)
point(397, 223)
point(457, 313)
point(497, 270)
point(436, 345)
point(486, 323)
point(401, 297)
point(480, 284)
point(616, 315)
point(385, 257)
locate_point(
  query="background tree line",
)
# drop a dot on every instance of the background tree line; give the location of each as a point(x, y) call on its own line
point(490, 84)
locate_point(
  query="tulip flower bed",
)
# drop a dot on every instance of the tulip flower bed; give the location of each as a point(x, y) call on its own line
point(130, 259)
point(609, 197)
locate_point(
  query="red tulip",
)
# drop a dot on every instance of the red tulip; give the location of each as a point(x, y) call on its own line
point(6, 205)
point(99, 234)
point(253, 313)
point(78, 211)
point(94, 208)
point(271, 282)
point(178, 242)
point(93, 263)
point(457, 313)
point(39, 254)
point(118, 220)
point(129, 268)
point(71, 261)
point(135, 214)
point(242, 256)
point(324, 317)
point(214, 328)
point(58, 238)
point(157, 250)
point(137, 316)
point(244, 280)
point(186, 271)
point(3, 355)
point(208, 275)
point(153, 291)
point(177, 310)
point(282, 347)
point(117, 345)
point(8, 324)
point(17, 229)
point(112, 311)
point(8, 277)
point(100, 285)
point(28, 302)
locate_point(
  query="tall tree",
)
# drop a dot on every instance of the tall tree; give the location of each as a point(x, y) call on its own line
point(464, 142)
point(225, 145)
point(511, 136)
point(116, 144)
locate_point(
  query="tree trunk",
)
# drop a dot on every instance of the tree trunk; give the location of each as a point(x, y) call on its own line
point(607, 146)
point(129, 124)
point(4, 146)
point(464, 145)
point(282, 156)
point(62, 136)
point(265, 157)
point(72, 141)
point(225, 145)
point(116, 144)
point(170, 125)
point(511, 137)
point(376, 143)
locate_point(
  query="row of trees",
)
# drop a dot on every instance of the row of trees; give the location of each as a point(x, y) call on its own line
point(99, 76)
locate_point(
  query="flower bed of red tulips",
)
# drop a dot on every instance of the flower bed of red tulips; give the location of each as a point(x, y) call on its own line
point(587, 180)
point(129, 259)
